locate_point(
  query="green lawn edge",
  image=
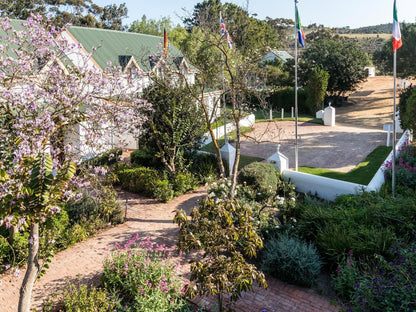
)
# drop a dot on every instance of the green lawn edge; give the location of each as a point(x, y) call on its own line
point(362, 174)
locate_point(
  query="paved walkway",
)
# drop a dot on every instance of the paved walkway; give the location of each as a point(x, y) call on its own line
point(338, 148)
point(149, 217)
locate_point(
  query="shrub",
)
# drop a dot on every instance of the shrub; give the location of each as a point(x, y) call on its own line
point(367, 242)
point(291, 260)
point(145, 158)
point(285, 98)
point(261, 177)
point(346, 277)
point(163, 190)
point(143, 276)
point(76, 297)
point(203, 165)
point(407, 109)
point(393, 287)
point(183, 182)
point(139, 180)
point(108, 158)
point(405, 167)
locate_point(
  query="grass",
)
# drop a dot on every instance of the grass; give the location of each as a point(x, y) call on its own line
point(264, 116)
point(244, 159)
point(362, 174)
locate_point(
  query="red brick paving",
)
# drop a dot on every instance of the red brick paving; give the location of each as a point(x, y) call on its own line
point(151, 218)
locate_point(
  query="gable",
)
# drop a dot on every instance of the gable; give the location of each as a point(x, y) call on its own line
point(120, 47)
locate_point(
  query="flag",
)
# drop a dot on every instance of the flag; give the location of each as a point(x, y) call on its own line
point(301, 34)
point(397, 36)
point(165, 42)
point(224, 32)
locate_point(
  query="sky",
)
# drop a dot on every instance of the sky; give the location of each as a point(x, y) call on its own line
point(330, 13)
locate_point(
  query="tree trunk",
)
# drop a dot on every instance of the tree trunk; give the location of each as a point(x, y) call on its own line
point(12, 232)
point(32, 269)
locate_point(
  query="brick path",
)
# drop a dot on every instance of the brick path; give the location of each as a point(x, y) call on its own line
point(149, 217)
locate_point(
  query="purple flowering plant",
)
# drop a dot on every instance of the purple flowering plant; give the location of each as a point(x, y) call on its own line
point(144, 276)
point(405, 166)
point(392, 287)
point(50, 95)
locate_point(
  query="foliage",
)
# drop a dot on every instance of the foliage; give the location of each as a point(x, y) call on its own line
point(343, 61)
point(291, 260)
point(405, 55)
point(223, 229)
point(285, 98)
point(144, 277)
point(140, 180)
point(316, 90)
point(80, 13)
point(203, 166)
point(107, 158)
point(184, 182)
point(145, 157)
point(174, 125)
point(407, 109)
point(75, 297)
point(38, 150)
point(392, 287)
point(163, 190)
point(405, 168)
point(249, 34)
point(368, 224)
point(261, 177)
point(347, 276)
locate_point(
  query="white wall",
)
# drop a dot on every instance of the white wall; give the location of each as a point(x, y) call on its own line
point(329, 189)
point(219, 132)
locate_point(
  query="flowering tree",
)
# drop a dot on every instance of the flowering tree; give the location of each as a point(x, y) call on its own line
point(44, 96)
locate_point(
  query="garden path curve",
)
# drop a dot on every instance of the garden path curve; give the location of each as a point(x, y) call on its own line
point(149, 217)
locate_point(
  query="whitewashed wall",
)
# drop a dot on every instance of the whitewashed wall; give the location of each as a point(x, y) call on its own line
point(329, 189)
point(219, 132)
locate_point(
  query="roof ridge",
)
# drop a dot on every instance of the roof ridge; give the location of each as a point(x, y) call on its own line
point(112, 30)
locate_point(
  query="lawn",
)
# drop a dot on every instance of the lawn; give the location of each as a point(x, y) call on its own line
point(244, 159)
point(362, 174)
point(264, 116)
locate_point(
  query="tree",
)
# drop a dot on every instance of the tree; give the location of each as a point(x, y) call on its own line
point(175, 124)
point(343, 61)
point(80, 12)
point(406, 55)
point(316, 88)
point(224, 230)
point(43, 95)
point(250, 35)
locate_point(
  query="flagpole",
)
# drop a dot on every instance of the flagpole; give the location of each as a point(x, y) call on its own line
point(223, 93)
point(296, 89)
point(393, 169)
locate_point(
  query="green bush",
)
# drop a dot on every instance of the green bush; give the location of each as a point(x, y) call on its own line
point(163, 190)
point(368, 224)
point(407, 109)
point(203, 165)
point(183, 182)
point(261, 177)
point(145, 158)
point(291, 260)
point(139, 180)
point(285, 98)
point(346, 277)
point(75, 297)
point(392, 287)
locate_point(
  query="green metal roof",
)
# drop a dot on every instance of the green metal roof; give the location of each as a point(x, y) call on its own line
point(118, 47)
